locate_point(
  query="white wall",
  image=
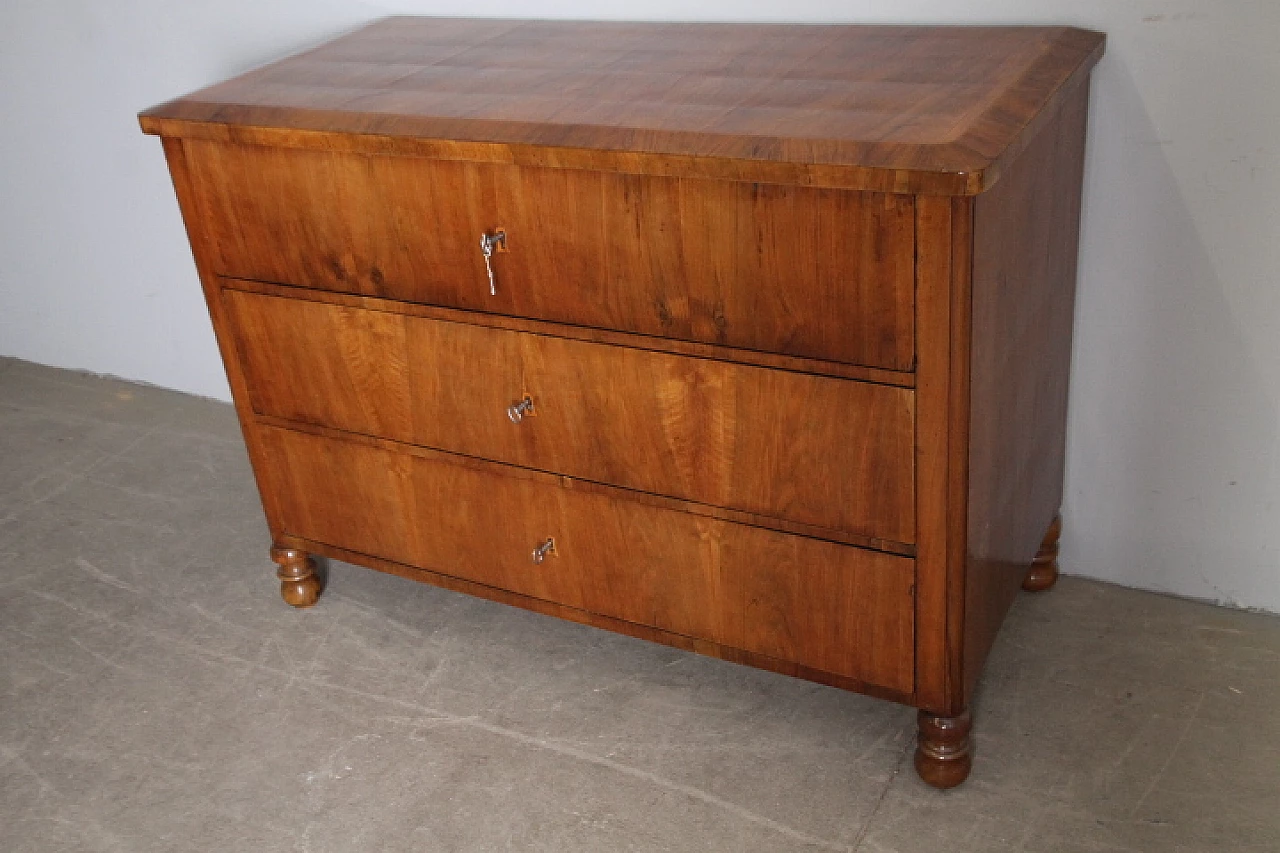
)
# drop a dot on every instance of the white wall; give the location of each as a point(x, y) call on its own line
point(1173, 474)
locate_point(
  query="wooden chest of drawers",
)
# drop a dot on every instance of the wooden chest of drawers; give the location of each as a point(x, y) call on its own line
point(749, 339)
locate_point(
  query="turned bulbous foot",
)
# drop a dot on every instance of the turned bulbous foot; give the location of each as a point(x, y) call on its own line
point(1044, 569)
point(299, 584)
point(943, 753)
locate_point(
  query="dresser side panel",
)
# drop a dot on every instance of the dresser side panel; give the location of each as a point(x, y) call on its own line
point(1025, 243)
point(177, 156)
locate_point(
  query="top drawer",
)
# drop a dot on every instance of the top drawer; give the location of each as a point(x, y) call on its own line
point(817, 273)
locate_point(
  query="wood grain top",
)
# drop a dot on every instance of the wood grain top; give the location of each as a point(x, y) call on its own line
point(923, 109)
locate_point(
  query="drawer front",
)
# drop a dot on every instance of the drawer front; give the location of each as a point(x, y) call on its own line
point(818, 273)
point(816, 450)
point(834, 608)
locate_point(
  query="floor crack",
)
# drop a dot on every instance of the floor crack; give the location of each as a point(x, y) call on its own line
point(884, 793)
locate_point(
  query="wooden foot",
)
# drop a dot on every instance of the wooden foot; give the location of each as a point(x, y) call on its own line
point(299, 585)
point(1044, 569)
point(943, 755)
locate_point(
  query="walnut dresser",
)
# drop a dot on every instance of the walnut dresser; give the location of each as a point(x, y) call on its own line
point(753, 340)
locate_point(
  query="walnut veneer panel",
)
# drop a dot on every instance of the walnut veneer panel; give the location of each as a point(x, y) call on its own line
point(837, 609)
point(827, 452)
point(1025, 239)
point(807, 272)
point(908, 108)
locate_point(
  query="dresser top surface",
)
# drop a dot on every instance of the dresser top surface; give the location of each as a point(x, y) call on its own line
point(936, 99)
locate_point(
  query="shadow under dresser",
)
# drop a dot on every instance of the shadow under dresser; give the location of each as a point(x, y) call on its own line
point(749, 339)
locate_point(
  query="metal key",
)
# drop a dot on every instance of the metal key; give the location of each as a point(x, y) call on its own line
point(540, 553)
point(489, 243)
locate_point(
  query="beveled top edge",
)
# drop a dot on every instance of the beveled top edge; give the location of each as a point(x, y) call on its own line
point(1048, 61)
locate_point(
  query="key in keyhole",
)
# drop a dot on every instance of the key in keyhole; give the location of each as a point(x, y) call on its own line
point(489, 243)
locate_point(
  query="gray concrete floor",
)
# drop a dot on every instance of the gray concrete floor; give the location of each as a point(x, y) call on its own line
point(156, 694)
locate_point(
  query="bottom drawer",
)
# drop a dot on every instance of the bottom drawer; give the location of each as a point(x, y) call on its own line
point(830, 607)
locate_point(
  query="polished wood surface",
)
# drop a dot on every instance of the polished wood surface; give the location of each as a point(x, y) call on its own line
point(1025, 239)
point(299, 583)
point(608, 490)
point(793, 317)
point(837, 609)
point(941, 422)
point(944, 750)
point(1043, 573)
point(820, 451)
point(596, 620)
point(715, 352)
point(995, 286)
point(907, 109)
point(708, 261)
point(202, 251)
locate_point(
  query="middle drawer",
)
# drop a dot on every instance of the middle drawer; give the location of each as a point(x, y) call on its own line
point(828, 452)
